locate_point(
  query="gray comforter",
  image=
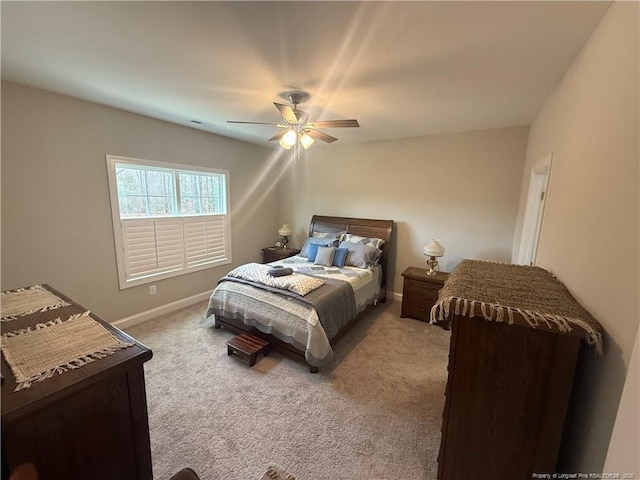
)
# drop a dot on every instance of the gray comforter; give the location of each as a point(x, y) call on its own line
point(307, 322)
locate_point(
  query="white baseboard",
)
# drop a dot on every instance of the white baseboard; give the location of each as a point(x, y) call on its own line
point(138, 318)
point(396, 296)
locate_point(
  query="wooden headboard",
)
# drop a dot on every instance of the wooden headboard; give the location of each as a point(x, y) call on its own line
point(364, 227)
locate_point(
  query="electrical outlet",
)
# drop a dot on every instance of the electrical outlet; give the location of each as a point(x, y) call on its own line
point(152, 290)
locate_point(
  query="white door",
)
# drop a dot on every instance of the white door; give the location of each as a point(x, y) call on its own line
point(534, 211)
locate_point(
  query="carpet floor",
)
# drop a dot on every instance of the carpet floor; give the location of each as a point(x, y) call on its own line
point(373, 414)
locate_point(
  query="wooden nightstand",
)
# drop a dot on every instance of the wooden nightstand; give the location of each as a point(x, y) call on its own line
point(273, 254)
point(420, 292)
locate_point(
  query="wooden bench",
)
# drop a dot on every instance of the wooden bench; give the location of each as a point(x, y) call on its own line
point(247, 347)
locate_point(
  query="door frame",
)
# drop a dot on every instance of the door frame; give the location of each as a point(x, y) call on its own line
point(537, 197)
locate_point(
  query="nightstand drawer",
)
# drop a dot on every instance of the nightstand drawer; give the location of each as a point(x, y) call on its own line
point(423, 286)
point(424, 296)
point(418, 309)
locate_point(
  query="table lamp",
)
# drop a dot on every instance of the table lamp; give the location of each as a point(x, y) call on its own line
point(434, 250)
point(285, 232)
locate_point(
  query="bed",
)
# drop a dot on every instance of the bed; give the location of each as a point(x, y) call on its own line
point(307, 324)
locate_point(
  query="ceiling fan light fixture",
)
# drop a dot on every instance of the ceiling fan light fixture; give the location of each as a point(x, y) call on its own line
point(290, 138)
point(284, 144)
point(306, 140)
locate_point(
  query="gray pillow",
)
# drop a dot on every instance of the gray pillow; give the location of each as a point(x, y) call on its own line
point(325, 256)
point(361, 256)
point(325, 242)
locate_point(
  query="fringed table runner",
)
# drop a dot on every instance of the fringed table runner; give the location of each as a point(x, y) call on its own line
point(35, 354)
point(24, 301)
point(500, 292)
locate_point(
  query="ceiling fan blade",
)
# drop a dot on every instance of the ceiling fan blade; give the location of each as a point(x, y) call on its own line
point(256, 123)
point(334, 124)
point(287, 113)
point(278, 135)
point(320, 136)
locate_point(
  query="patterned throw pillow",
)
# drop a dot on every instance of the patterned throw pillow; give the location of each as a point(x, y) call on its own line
point(337, 235)
point(304, 284)
point(259, 273)
point(374, 242)
point(361, 256)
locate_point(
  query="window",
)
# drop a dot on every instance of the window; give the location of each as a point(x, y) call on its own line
point(168, 219)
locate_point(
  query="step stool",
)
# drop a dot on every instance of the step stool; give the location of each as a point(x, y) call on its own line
point(247, 347)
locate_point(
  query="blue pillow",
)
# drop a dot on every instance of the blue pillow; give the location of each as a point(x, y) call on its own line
point(340, 257)
point(312, 251)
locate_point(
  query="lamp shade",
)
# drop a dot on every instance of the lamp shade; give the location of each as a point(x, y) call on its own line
point(306, 140)
point(284, 144)
point(290, 138)
point(434, 249)
point(285, 230)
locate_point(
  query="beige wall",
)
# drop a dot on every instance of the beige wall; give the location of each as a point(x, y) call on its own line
point(462, 189)
point(56, 216)
point(624, 449)
point(590, 233)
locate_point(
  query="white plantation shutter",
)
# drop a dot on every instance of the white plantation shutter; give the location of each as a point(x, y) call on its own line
point(168, 219)
point(152, 246)
point(205, 239)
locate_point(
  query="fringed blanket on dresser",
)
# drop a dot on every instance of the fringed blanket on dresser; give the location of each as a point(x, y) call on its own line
point(503, 293)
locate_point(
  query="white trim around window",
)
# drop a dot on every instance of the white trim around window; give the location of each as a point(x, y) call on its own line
point(168, 219)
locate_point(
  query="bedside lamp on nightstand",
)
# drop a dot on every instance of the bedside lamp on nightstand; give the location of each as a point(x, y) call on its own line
point(434, 251)
point(285, 232)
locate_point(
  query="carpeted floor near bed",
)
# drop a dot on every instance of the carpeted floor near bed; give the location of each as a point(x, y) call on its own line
point(374, 413)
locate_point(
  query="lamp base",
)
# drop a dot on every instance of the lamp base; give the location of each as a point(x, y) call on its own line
point(432, 263)
point(284, 242)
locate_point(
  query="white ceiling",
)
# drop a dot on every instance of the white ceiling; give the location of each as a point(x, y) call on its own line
point(402, 69)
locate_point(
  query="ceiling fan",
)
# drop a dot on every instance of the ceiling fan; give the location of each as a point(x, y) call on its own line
point(297, 129)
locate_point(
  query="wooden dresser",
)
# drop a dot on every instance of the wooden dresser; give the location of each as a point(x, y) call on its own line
point(420, 292)
point(87, 423)
point(510, 375)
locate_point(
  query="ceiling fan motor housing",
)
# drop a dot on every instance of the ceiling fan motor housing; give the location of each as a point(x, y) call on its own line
point(296, 98)
point(301, 116)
